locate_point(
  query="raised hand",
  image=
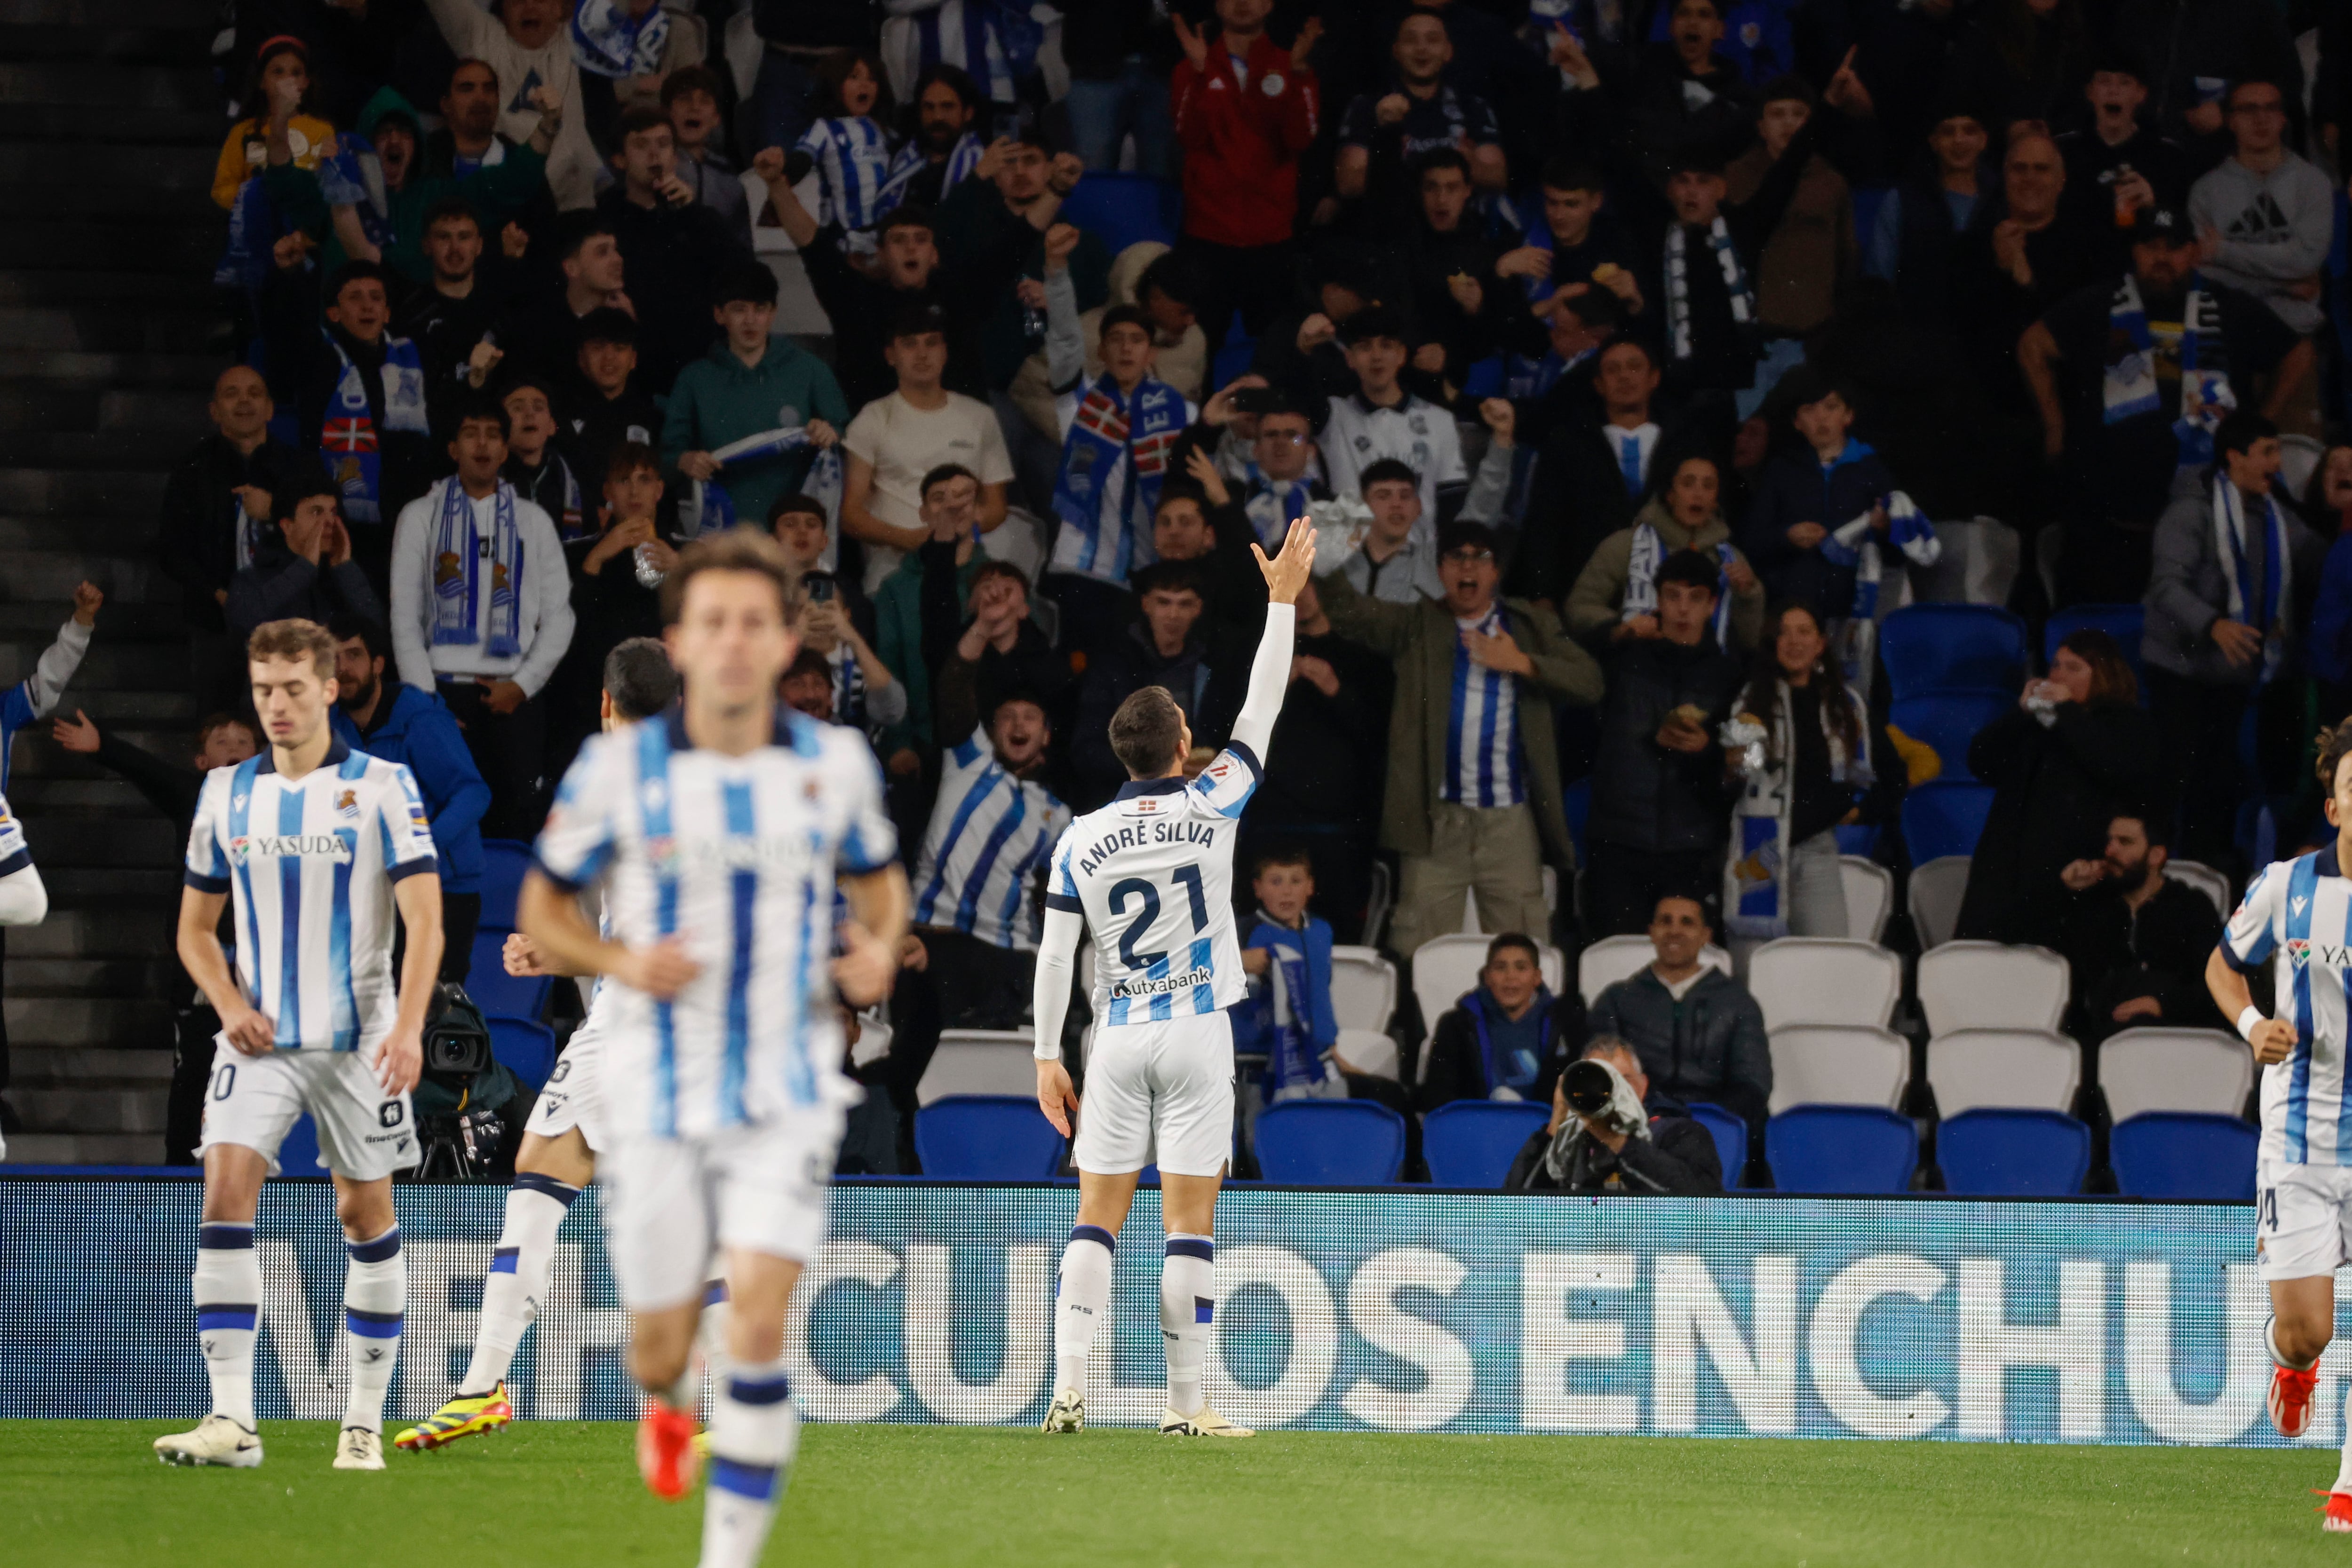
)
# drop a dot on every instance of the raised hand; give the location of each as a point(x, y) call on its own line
point(1290, 570)
point(76, 734)
point(87, 599)
point(1196, 49)
point(1304, 45)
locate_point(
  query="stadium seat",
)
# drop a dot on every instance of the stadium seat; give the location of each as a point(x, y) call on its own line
point(1824, 980)
point(987, 1137)
point(1991, 985)
point(2299, 457)
point(2201, 1070)
point(1329, 1143)
point(1869, 898)
point(1122, 209)
point(1856, 1149)
point(1945, 817)
point(979, 1062)
point(2214, 884)
point(2182, 1155)
point(2013, 1154)
point(1233, 361)
point(1838, 1065)
point(2005, 1069)
point(1731, 1136)
point(503, 862)
point(524, 1048)
point(1979, 563)
point(1947, 722)
point(2127, 624)
point(1934, 898)
point(1472, 1142)
point(1446, 967)
point(1614, 959)
point(298, 1153)
point(1364, 988)
point(1857, 838)
point(1369, 1051)
point(495, 991)
point(1952, 648)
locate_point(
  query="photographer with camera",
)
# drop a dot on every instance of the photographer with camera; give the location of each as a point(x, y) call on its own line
point(1609, 1135)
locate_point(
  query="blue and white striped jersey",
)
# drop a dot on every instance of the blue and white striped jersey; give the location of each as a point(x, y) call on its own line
point(1484, 765)
point(15, 853)
point(309, 865)
point(852, 155)
point(736, 856)
point(2301, 912)
point(1153, 874)
point(987, 833)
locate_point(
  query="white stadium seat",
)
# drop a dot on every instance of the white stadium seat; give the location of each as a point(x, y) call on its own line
point(1369, 1051)
point(1824, 980)
point(1834, 1065)
point(1364, 988)
point(2175, 1069)
point(2004, 1069)
point(2213, 884)
point(1991, 985)
point(1936, 888)
point(1869, 898)
point(1614, 959)
point(1446, 967)
point(979, 1062)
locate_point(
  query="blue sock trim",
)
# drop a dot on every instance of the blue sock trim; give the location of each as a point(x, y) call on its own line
point(1096, 1234)
point(1204, 1309)
point(502, 1261)
point(382, 1250)
point(225, 1237)
point(773, 1390)
point(371, 1325)
point(713, 1292)
point(1192, 1247)
point(225, 1315)
point(757, 1482)
point(561, 1192)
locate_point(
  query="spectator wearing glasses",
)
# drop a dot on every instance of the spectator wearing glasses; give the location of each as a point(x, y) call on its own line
point(2266, 218)
point(1474, 799)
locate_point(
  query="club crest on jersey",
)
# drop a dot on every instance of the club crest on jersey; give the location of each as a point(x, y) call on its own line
point(348, 802)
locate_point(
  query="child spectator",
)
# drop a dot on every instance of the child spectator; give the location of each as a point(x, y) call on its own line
point(1806, 496)
point(302, 567)
point(847, 143)
point(758, 382)
point(690, 99)
point(865, 692)
point(278, 94)
point(2117, 164)
point(611, 599)
point(1508, 1038)
point(602, 405)
point(1381, 419)
point(680, 256)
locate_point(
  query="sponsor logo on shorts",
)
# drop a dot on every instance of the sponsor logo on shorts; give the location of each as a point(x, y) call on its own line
point(1144, 986)
point(389, 1114)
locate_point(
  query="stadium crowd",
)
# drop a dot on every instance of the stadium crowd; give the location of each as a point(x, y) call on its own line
point(1635, 360)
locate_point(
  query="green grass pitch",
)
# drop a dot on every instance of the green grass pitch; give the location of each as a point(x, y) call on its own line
point(91, 1492)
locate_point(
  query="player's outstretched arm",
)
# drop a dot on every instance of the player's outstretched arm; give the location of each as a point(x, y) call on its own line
point(2273, 1038)
point(1287, 573)
point(1058, 949)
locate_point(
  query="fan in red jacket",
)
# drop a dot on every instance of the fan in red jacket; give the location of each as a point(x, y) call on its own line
point(1244, 108)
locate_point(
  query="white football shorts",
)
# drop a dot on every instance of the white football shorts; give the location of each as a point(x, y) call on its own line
point(254, 1101)
point(1161, 1090)
point(2302, 1220)
point(574, 1093)
point(671, 1204)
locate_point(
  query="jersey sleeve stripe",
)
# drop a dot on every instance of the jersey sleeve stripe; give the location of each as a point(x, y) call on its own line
point(1241, 748)
point(589, 870)
point(1064, 903)
point(196, 879)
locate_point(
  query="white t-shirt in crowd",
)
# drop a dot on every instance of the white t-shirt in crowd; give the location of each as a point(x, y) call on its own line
point(904, 443)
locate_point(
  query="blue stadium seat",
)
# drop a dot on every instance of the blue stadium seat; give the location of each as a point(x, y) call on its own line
point(1233, 356)
point(496, 991)
point(1329, 1143)
point(1576, 802)
point(987, 1137)
point(1858, 1149)
point(2013, 1154)
point(1472, 1142)
point(1947, 721)
point(1952, 648)
point(1857, 838)
point(298, 1156)
point(1483, 378)
point(1731, 1136)
point(1945, 817)
point(2183, 1154)
point(1121, 209)
point(503, 862)
point(526, 1049)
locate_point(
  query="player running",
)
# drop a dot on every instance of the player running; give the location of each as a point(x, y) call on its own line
point(317, 844)
point(1153, 875)
point(716, 832)
point(2301, 909)
point(557, 1157)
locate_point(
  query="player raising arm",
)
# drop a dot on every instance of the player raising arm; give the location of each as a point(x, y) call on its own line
point(320, 845)
point(2298, 910)
point(717, 834)
point(1152, 874)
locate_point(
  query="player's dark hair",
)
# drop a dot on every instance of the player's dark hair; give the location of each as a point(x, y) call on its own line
point(451, 209)
point(639, 678)
point(1691, 570)
point(793, 503)
point(576, 229)
point(293, 639)
point(1170, 576)
point(1146, 731)
point(909, 215)
point(1518, 939)
point(737, 549)
point(2335, 745)
point(485, 409)
point(287, 497)
point(751, 283)
point(367, 629)
point(637, 117)
point(353, 272)
point(1003, 568)
point(686, 79)
point(1125, 316)
point(1440, 157)
point(608, 324)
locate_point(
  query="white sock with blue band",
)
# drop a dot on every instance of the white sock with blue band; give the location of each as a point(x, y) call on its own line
point(1081, 1299)
point(227, 1292)
point(375, 1289)
point(754, 1432)
point(1188, 1316)
point(520, 1268)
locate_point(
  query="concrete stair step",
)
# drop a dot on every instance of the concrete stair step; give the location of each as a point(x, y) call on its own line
point(26, 619)
point(99, 328)
point(167, 421)
point(152, 887)
point(149, 199)
point(105, 285)
point(161, 169)
point(89, 17)
point(99, 931)
point(129, 1022)
point(70, 841)
point(173, 247)
point(90, 976)
point(193, 372)
point(110, 1110)
point(126, 579)
point(86, 83)
point(85, 1149)
point(71, 122)
point(124, 538)
point(50, 1064)
point(166, 40)
point(43, 488)
point(31, 795)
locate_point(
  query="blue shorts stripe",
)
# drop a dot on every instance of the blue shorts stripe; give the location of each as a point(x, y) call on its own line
point(371, 1325)
point(757, 1482)
point(713, 1292)
point(227, 1315)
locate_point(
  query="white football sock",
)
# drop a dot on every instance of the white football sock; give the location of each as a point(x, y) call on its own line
point(2270, 1343)
point(228, 1291)
point(1081, 1302)
point(754, 1431)
point(2343, 1469)
point(375, 1289)
point(710, 1333)
point(520, 1271)
point(1187, 1315)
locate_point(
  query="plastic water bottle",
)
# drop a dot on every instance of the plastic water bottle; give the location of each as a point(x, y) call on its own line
point(649, 574)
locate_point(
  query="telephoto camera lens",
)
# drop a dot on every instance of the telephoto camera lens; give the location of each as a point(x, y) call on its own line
point(1589, 1087)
